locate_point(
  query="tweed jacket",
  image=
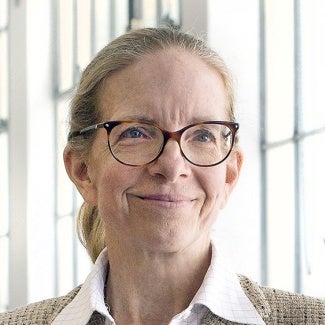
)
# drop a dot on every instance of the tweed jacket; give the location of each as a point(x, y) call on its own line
point(274, 306)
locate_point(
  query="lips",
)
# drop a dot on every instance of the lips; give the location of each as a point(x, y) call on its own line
point(167, 200)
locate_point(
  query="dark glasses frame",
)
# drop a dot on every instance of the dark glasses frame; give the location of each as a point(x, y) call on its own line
point(176, 135)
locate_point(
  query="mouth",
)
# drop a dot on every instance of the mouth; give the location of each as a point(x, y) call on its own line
point(166, 200)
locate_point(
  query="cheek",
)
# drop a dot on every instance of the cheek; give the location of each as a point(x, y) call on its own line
point(110, 178)
point(113, 185)
point(214, 185)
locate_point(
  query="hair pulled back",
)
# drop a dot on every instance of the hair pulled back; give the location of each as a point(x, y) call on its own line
point(85, 111)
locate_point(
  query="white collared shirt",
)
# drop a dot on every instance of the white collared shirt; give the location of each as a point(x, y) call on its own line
point(220, 293)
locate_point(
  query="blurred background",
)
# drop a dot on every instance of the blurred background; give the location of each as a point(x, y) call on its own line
point(273, 229)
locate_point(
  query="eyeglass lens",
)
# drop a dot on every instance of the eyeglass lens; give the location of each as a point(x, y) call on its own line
point(137, 144)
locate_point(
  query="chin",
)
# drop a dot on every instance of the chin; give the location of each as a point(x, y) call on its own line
point(171, 241)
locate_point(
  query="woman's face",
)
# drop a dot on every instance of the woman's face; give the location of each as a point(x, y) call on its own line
point(169, 204)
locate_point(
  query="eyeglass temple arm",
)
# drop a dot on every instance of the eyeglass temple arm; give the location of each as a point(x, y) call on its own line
point(85, 130)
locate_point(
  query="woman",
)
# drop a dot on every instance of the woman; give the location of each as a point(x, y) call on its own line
point(153, 151)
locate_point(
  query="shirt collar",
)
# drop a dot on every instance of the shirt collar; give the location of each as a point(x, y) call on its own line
point(220, 292)
point(90, 298)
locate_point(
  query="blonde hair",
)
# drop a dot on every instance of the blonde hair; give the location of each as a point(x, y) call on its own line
point(85, 110)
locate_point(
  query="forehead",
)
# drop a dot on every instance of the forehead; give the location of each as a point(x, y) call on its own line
point(170, 83)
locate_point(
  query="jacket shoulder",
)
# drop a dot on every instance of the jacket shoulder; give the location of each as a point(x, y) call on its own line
point(38, 313)
point(278, 306)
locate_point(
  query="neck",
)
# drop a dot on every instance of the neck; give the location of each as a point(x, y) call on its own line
point(147, 287)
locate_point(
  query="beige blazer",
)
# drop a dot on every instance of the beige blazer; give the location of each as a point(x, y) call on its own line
point(274, 306)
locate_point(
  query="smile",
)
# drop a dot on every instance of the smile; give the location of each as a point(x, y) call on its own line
point(167, 201)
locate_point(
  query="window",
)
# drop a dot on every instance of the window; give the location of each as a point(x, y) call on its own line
point(293, 130)
point(312, 130)
point(148, 13)
point(4, 157)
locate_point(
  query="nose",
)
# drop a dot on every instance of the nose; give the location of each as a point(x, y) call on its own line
point(171, 164)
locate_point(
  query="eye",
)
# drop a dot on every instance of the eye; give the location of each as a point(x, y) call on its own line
point(204, 136)
point(134, 133)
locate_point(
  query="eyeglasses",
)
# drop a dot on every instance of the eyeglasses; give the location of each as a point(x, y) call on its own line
point(137, 143)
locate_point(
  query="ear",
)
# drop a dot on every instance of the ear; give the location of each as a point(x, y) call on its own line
point(234, 164)
point(77, 169)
